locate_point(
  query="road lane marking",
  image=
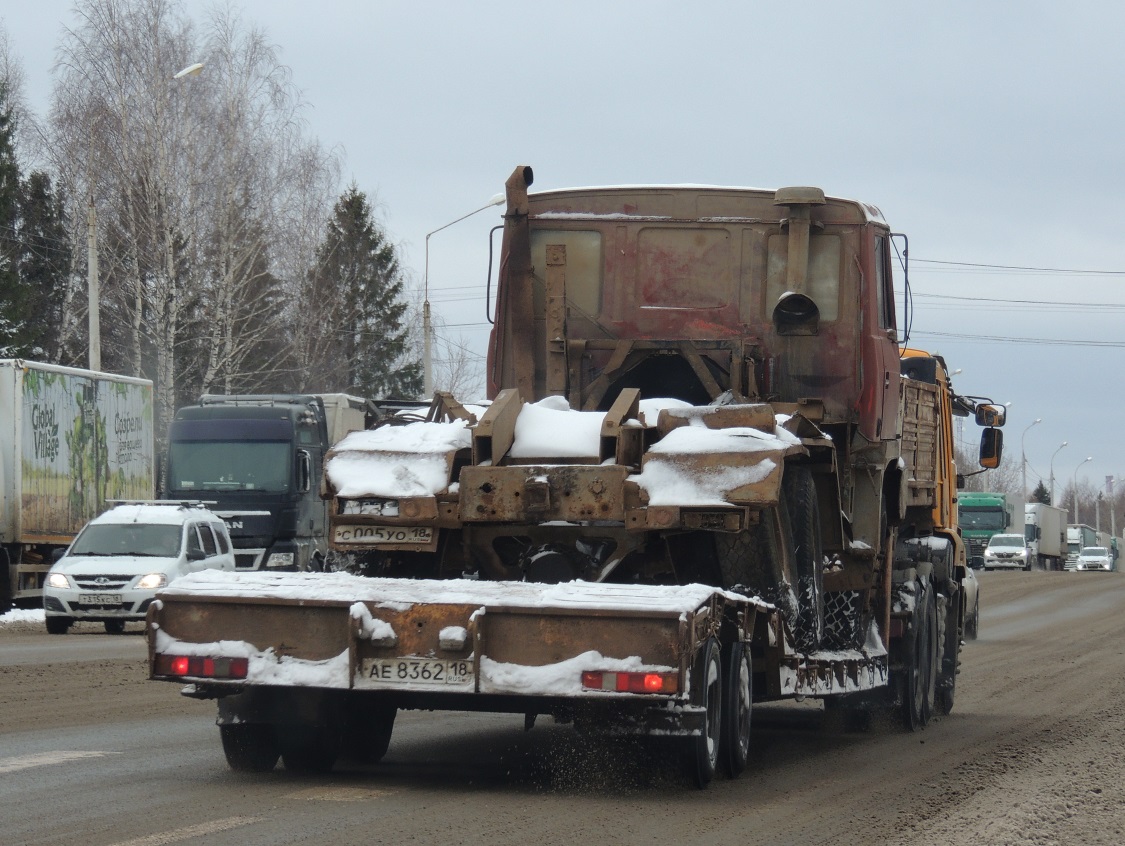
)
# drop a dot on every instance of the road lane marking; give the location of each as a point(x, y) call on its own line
point(42, 759)
point(176, 835)
point(339, 794)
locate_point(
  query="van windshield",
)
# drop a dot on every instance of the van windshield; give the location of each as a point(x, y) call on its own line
point(161, 540)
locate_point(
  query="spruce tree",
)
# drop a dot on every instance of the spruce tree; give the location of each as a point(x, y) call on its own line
point(1041, 494)
point(13, 305)
point(356, 290)
point(44, 264)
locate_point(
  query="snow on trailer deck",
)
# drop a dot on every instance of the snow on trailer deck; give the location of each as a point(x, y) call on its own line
point(343, 587)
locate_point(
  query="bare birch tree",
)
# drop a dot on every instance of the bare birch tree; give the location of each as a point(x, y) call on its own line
point(193, 179)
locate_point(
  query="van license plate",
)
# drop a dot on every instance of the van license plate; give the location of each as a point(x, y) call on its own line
point(99, 599)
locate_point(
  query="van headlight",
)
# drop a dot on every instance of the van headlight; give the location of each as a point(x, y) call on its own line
point(152, 581)
point(58, 580)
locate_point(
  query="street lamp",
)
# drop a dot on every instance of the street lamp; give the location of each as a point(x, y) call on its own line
point(1080, 463)
point(427, 328)
point(1056, 452)
point(190, 70)
point(1023, 457)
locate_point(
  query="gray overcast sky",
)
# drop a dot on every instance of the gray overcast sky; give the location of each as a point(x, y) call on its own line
point(989, 133)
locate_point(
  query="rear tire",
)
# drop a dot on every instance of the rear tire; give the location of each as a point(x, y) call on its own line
point(250, 747)
point(972, 621)
point(58, 625)
point(700, 753)
point(738, 702)
point(803, 509)
point(921, 657)
point(948, 607)
point(307, 748)
point(367, 733)
point(5, 581)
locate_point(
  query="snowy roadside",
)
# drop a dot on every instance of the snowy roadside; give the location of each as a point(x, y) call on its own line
point(23, 619)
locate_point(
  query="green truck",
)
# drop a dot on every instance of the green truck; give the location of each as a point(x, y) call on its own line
point(981, 516)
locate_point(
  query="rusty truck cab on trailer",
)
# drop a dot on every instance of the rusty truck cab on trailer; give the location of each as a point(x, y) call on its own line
point(691, 292)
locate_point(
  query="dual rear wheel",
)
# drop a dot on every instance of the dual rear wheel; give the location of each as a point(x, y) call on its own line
point(363, 736)
point(721, 687)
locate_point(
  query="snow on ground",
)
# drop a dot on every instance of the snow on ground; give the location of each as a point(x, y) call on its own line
point(23, 615)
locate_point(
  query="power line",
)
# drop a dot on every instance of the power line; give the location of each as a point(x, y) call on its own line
point(1006, 339)
point(1021, 268)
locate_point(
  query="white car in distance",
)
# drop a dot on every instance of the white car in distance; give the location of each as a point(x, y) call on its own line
point(1094, 558)
point(117, 563)
point(1006, 552)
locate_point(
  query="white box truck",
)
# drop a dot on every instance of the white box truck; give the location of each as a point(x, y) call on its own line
point(70, 440)
point(1045, 532)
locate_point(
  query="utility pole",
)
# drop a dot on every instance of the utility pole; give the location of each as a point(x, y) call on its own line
point(92, 285)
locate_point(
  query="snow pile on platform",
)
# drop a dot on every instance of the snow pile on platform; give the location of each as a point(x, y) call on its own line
point(671, 476)
point(396, 461)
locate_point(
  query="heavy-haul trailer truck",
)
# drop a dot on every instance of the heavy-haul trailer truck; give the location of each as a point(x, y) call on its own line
point(708, 475)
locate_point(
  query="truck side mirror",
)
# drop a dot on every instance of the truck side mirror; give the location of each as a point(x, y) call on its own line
point(304, 470)
point(991, 415)
point(991, 448)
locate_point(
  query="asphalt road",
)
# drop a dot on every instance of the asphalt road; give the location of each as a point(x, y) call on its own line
point(92, 753)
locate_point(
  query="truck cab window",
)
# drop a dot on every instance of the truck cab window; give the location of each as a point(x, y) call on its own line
point(884, 289)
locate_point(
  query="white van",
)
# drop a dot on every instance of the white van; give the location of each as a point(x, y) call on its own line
point(112, 570)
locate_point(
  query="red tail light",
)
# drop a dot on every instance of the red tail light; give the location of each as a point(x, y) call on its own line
point(631, 682)
point(199, 667)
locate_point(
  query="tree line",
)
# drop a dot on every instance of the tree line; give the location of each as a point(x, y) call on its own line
point(229, 258)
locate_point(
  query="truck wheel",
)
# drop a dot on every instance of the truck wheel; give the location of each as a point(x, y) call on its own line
point(700, 754)
point(5, 581)
point(948, 616)
point(972, 621)
point(921, 659)
point(801, 503)
point(367, 733)
point(738, 702)
point(58, 625)
point(250, 747)
point(307, 748)
point(949, 640)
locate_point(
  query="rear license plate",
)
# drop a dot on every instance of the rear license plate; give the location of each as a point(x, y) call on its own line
point(377, 535)
point(410, 671)
point(99, 599)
